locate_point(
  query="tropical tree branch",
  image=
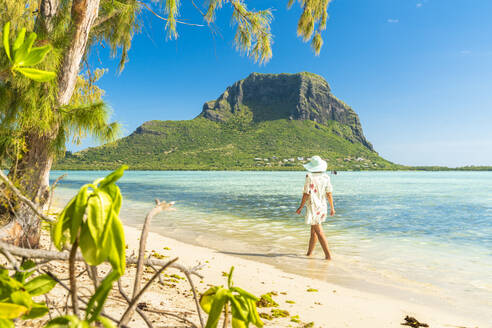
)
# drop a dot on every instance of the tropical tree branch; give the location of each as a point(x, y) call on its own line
point(24, 199)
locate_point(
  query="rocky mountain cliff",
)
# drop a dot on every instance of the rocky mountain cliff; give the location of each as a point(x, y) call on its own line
point(301, 96)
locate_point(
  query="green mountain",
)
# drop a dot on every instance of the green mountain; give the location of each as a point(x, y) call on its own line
point(266, 121)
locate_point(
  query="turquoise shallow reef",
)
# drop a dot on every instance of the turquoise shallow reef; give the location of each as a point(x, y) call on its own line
point(421, 236)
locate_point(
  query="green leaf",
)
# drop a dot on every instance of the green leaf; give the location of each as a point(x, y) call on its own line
point(98, 211)
point(238, 311)
point(106, 323)
point(36, 55)
point(20, 39)
point(113, 177)
point(6, 323)
point(97, 300)
point(254, 317)
point(21, 276)
point(6, 43)
point(21, 53)
point(36, 74)
point(117, 254)
point(218, 303)
point(229, 277)
point(80, 205)
point(238, 323)
point(21, 298)
point(244, 293)
point(40, 285)
point(207, 298)
point(37, 310)
point(11, 311)
point(61, 223)
point(66, 321)
point(88, 247)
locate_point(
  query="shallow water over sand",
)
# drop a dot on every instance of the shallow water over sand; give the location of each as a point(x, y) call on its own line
point(420, 236)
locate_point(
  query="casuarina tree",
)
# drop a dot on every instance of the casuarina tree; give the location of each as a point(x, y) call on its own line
point(39, 118)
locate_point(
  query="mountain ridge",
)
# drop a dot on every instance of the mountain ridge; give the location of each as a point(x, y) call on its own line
point(263, 122)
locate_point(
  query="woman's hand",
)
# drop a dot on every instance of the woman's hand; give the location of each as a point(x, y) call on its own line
point(299, 210)
point(332, 212)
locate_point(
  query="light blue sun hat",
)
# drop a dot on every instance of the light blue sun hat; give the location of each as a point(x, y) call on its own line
point(316, 165)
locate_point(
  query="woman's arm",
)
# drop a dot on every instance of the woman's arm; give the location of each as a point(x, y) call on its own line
point(330, 200)
point(303, 202)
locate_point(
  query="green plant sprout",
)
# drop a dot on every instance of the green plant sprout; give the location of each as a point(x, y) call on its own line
point(16, 294)
point(243, 305)
point(23, 55)
point(90, 221)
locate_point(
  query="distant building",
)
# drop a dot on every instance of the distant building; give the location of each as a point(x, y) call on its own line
point(258, 159)
point(300, 158)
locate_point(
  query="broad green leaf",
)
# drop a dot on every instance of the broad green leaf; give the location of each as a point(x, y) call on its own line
point(36, 74)
point(11, 311)
point(20, 39)
point(88, 247)
point(21, 298)
point(66, 321)
point(207, 298)
point(113, 177)
point(80, 205)
point(105, 322)
point(117, 254)
point(37, 310)
point(6, 323)
point(238, 311)
point(21, 276)
point(238, 323)
point(63, 223)
point(97, 300)
point(21, 53)
point(98, 211)
point(220, 299)
point(36, 55)
point(254, 317)
point(244, 293)
point(114, 192)
point(40, 285)
point(6, 43)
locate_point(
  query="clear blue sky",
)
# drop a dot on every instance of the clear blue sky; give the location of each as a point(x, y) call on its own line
point(418, 72)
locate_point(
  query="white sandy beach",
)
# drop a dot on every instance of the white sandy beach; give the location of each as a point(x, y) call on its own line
point(330, 306)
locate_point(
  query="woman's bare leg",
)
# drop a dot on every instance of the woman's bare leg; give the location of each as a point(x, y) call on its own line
point(312, 241)
point(322, 240)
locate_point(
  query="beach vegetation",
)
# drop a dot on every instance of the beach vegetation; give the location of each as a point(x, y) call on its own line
point(278, 313)
point(90, 223)
point(234, 300)
point(266, 300)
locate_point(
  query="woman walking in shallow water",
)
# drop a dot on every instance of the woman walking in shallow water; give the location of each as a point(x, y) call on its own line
point(317, 189)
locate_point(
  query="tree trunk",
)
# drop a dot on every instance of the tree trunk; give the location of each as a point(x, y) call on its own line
point(31, 173)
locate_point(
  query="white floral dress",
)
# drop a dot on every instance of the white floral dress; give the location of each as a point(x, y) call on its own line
point(317, 185)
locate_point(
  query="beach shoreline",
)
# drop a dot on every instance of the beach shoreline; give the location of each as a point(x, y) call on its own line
point(324, 303)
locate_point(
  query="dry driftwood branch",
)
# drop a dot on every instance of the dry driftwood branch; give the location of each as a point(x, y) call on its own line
point(195, 296)
point(24, 199)
point(10, 258)
point(129, 311)
point(171, 314)
point(140, 312)
point(52, 190)
point(52, 275)
point(159, 207)
point(63, 256)
point(73, 279)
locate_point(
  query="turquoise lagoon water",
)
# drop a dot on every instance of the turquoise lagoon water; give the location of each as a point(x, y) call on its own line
point(425, 237)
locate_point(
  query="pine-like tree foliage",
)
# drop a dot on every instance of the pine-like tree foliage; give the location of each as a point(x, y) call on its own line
point(30, 107)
